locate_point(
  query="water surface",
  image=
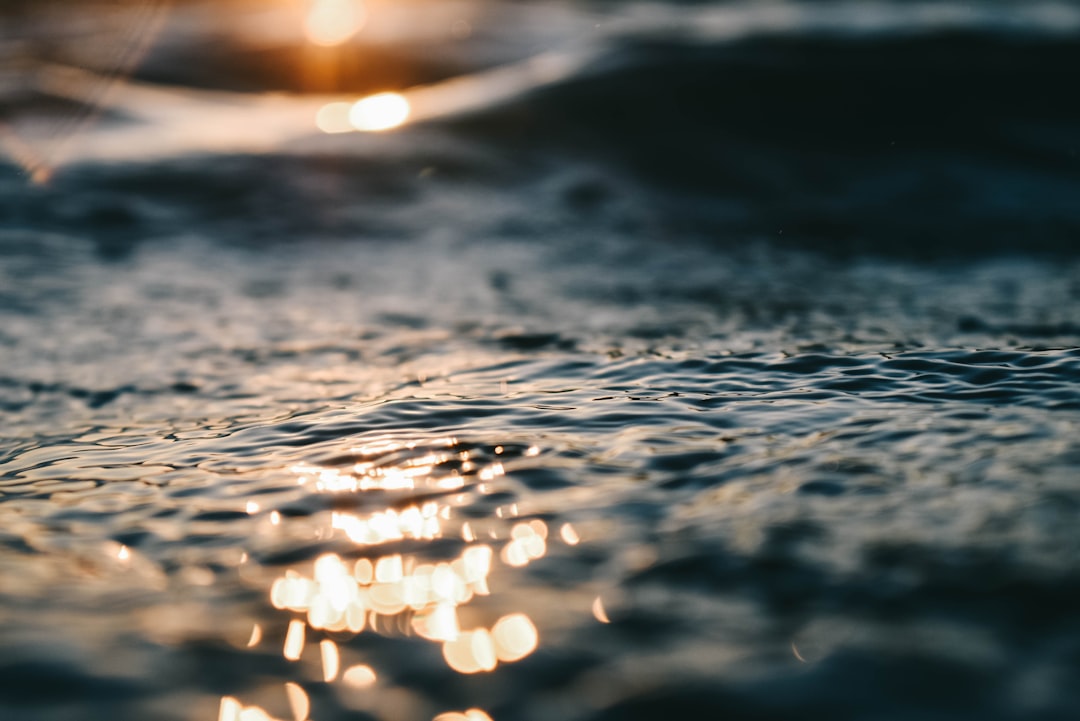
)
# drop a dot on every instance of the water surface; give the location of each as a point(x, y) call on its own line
point(612, 398)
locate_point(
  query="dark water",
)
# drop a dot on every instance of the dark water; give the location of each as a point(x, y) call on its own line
point(735, 375)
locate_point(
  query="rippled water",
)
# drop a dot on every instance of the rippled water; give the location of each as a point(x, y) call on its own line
point(437, 423)
point(808, 476)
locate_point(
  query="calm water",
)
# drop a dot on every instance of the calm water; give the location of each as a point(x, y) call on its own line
point(734, 374)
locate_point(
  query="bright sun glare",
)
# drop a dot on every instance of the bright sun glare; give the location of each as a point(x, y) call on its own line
point(333, 22)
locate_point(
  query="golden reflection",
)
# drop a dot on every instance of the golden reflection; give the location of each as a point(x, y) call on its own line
point(473, 714)
point(515, 637)
point(229, 710)
point(569, 536)
point(528, 543)
point(471, 652)
point(333, 22)
point(364, 571)
point(294, 640)
point(439, 623)
point(367, 476)
point(598, 611)
point(359, 676)
point(331, 659)
point(336, 599)
point(233, 710)
point(403, 592)
point(492, 472)
point(380, 112)
point(299, 702)
point(419, 523)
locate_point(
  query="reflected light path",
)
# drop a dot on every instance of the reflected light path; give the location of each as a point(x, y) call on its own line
point(341, 596)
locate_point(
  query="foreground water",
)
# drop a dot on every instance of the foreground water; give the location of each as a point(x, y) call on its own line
point(628, 423)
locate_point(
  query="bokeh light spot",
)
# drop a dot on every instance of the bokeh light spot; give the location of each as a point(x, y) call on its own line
point(380, 112)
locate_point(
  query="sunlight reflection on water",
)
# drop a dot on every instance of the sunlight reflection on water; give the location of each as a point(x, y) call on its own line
point(334, 599)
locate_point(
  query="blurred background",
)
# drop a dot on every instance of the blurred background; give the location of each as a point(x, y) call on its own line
point(844, 123)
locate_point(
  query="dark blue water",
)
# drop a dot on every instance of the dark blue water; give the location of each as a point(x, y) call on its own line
point(735, 374)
